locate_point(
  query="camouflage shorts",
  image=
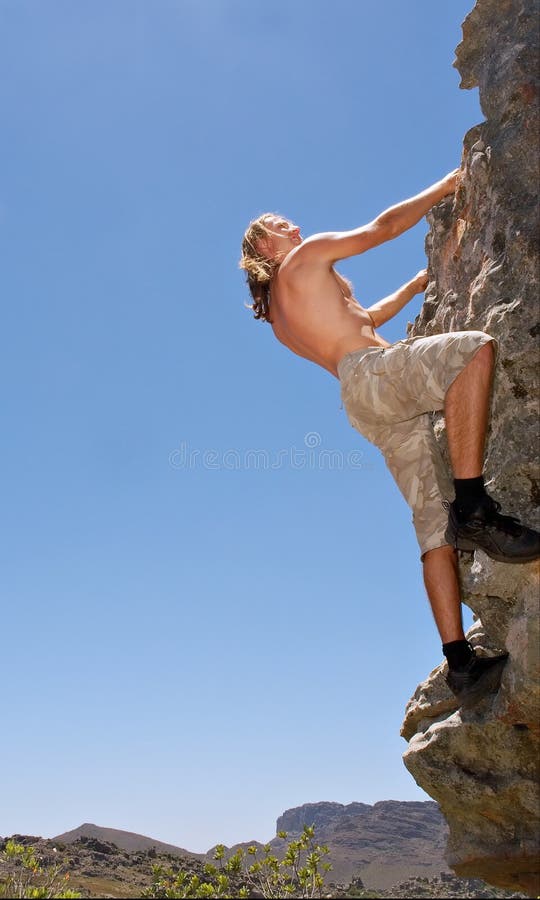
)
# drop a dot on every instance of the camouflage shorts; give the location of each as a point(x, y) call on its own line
point(388, 394)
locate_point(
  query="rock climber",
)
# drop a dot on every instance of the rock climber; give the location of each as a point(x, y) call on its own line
point(388, 391)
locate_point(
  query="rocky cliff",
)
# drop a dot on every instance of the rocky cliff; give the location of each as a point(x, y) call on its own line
point(482, 765)
point(383, 844)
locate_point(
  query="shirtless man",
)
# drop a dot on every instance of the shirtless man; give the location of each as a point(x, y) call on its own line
point(388, 391)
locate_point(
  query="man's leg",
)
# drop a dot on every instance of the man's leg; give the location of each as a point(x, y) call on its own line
point(470, 677)
point(441, 579)
point(415, 462)
point(414, 459)
point(474, 519)
point(466, 412)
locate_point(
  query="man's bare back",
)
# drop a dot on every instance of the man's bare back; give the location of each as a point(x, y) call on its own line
point(314, 313)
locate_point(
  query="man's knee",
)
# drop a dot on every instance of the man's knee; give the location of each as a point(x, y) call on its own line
point(486, 354)
point(439, 555)
point(481, 364)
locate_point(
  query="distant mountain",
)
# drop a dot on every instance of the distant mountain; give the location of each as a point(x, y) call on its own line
point(126, 840)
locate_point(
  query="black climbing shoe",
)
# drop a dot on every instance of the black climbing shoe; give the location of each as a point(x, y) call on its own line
point(503, 538)
point(481, 676)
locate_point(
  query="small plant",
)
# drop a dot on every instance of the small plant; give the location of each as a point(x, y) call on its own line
point(297, 874)
point(30, 878)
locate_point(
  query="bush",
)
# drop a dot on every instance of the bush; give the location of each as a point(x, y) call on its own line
point(297, 874)
point(29, 878)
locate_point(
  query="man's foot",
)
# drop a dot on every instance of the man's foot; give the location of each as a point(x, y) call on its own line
point(481, 676)
point(503, 538)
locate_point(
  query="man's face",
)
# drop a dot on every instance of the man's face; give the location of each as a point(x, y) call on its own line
point(283, 236)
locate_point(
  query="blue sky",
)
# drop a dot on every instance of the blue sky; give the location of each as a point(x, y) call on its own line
point(193, 644)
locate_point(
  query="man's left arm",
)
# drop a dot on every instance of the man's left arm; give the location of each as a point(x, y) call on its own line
point(389, 307)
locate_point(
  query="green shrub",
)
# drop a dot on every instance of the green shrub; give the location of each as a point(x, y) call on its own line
point(297, 874)
point(29, 878)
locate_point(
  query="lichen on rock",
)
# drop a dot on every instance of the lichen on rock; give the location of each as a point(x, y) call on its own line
point(481, 765)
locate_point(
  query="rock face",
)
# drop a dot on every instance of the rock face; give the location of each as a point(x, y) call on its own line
point(482, 765)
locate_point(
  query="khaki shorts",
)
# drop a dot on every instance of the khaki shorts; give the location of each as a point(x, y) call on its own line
point(388, 394)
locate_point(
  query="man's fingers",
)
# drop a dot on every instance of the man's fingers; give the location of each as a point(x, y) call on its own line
point(422, 280)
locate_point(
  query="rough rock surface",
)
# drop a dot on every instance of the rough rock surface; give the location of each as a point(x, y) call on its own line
point(482, 765)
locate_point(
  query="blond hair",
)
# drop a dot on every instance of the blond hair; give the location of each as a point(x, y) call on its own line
point(260, 270)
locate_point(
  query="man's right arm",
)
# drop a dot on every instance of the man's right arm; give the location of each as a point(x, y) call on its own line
point(329, 247)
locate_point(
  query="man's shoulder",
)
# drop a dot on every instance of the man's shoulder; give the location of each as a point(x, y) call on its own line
point(303, 261)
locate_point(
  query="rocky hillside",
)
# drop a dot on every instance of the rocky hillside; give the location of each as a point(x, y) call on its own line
point(126, 840)
point(482, 766)
point(99, 869)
